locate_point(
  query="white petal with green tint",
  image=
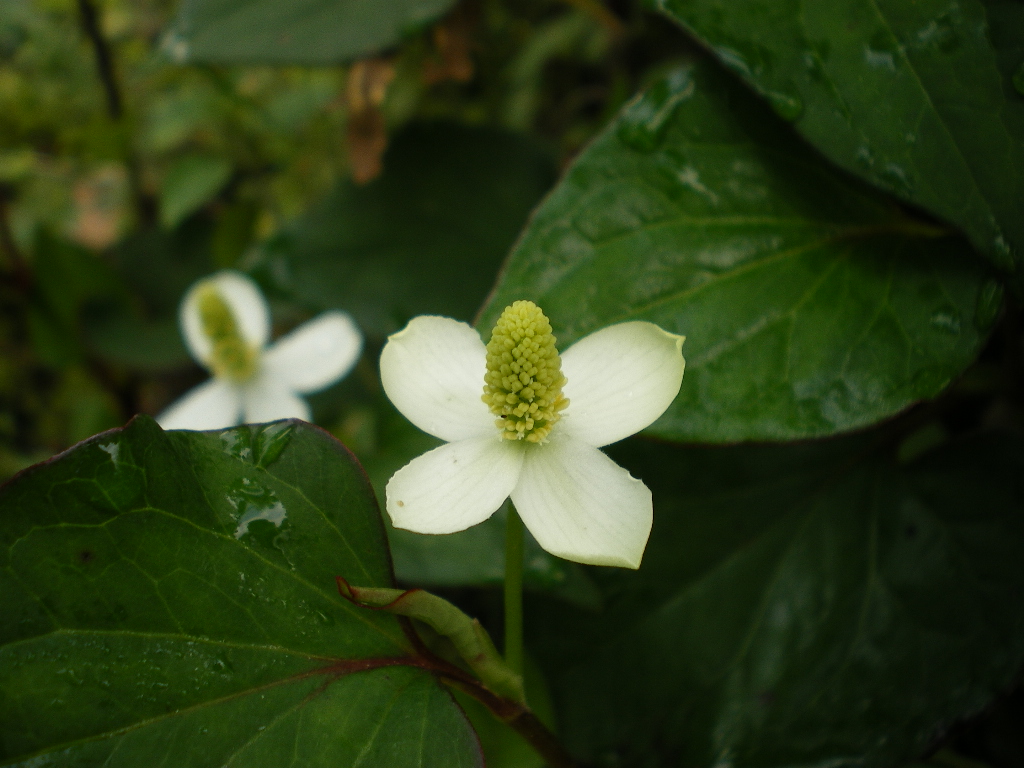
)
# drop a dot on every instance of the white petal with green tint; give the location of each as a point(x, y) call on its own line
point(433, 372)
point(269, 397)
point(582, 506)
point(215, 404)
point(247, 305)
point(455, 486)
point(620, 380)
point(317, 353)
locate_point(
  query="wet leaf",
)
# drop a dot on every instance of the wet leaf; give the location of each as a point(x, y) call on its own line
point(813, 605)
point(169, 598)
point(916, 97)
point(294, 31)
point(810, 303)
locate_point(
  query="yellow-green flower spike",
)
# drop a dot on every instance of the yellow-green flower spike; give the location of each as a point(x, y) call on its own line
point(231, 357)
point(523, 383)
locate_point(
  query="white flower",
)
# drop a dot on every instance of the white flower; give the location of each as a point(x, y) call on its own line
point(577, 503)
point(226, 324)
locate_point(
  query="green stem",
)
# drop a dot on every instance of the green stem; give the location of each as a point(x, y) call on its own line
point(514, 591)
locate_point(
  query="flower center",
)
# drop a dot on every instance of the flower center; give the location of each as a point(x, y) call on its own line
point(231, 357)
point(523, 383)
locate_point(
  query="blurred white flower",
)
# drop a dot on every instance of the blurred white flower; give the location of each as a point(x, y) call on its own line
point(524, 422)
point(226, 324)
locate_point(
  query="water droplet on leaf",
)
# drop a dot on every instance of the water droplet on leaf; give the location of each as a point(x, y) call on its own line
point(787, 107)
point(897, 178)
point(255, 503)
point(946, 319)
point(813, 65)
point(939, 34)
point(733, 60)
point(990, 302)
point(1003, 253)
point(645, 121)
point(879, 59)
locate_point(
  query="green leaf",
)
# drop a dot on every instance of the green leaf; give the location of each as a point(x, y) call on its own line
point(916, 97)
point(169, 598)
point(190, 183)
point(294, 31)
point(426, 237)
point(810, 605)
point(810, 304)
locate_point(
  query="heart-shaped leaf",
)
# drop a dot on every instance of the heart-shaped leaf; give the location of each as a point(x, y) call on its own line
point(170, 599)
point(810, 304)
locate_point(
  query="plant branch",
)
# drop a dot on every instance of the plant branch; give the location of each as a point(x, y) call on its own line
point(104, 60)
point(144, 204)
point(501, 693)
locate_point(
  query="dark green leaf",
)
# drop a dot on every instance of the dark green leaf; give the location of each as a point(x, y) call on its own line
point(169, 598)
point(807, 605)
point(426, 237)
point(294, 31)
point(916, 97)
point(810, 304)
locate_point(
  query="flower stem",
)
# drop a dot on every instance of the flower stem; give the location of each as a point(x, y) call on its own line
point(514, 591)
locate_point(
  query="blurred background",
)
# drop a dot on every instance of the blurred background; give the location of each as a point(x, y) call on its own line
point(125, 175)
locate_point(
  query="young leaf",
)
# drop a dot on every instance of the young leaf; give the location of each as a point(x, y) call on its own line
point(294, 31)
point(811, 305)
point(918, 98)
point(169, 598)
point(820, 604)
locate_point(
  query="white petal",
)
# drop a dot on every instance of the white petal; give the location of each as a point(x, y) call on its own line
point(620, 379)
point(455, 486)
point(433, 371)
point(213, 405)
point(268, 397)
point(247, 305)
point(582, 506)
point(317, 353)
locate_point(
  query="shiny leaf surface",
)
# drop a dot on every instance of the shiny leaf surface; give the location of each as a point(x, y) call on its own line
point(916, 97)
point(807, 605)
point(293, 31)
point(169, 598)
point(810, 304)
